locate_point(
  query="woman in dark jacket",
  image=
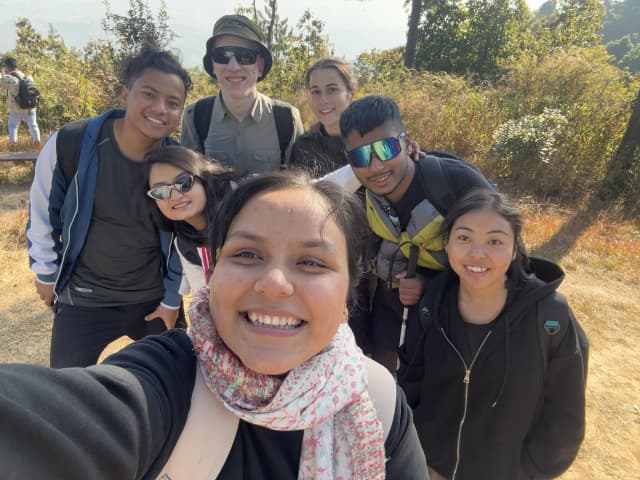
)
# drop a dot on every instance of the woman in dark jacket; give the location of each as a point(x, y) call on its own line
point(267, 384)
point(487, 404)
point(332, 87)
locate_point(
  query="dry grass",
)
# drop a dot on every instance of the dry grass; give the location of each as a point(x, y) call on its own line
point(602, 262)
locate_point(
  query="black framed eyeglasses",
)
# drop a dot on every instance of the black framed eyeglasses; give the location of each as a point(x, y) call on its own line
point(162, 192)
point(243, 55)
point(385, 149)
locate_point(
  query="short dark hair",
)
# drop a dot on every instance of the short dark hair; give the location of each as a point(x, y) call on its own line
point(344, 207)
point(216, 178)
point(485, 199)
point(367, 113)
point(147, 57)
point(10, 62)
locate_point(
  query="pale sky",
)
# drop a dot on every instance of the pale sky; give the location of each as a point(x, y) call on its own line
point(353, 26)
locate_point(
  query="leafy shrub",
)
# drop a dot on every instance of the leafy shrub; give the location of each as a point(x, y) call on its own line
point(526, 145)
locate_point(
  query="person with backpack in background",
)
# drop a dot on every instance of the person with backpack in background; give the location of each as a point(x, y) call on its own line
point(97, 254)
point(406, 200)
point(240, 127)
point(494, 366)
point(22, 99)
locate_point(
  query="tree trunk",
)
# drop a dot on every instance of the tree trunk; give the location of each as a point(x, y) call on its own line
point(273, 7)
point(622, 163)
point(412, 33)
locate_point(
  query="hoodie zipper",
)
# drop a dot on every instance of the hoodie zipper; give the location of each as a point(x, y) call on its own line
point(466, 380)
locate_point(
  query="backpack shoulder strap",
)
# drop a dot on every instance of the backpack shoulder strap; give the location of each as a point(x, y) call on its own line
point(208, 424)
point(68, 144)
point(382, 390)
point(551, 327)
point(284, 126)
point(436, 181)
point(202, 118)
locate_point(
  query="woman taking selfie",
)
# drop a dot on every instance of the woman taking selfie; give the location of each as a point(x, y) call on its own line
point(268, 383)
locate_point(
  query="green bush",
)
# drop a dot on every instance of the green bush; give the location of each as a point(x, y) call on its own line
point(526, 146)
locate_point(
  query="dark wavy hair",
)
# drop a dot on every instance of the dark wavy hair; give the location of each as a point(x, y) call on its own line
point(216, 180)
point(485, 199)
point(146, 57)
point(344, 207)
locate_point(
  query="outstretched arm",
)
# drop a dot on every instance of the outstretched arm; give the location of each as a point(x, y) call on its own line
point(119, 419)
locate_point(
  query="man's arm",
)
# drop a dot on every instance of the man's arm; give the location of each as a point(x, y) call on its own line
point(172, 272)
point(8, 81)
point(46, 197)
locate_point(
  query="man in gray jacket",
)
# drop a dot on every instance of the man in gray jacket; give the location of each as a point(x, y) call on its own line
point(241, 127)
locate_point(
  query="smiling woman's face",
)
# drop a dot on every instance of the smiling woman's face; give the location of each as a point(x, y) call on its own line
point(186, 206)
point(280, 283)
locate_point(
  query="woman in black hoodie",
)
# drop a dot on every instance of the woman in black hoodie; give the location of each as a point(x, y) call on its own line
point(490, 400)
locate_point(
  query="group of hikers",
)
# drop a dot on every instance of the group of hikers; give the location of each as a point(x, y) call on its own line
point(360, 308)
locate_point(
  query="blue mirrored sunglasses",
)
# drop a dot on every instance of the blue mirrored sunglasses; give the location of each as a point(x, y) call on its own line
point(385, 149)
point(161, 192)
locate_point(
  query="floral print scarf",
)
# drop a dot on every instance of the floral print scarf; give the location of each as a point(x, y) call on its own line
point(326, 396)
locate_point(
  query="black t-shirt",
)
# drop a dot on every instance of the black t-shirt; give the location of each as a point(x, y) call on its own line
point(120, 261)
point(413, 196)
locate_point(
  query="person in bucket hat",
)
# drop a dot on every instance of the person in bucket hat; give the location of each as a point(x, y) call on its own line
point(240, 127)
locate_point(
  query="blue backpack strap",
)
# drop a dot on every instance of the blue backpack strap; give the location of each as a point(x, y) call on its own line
point(202, 118)
point(284, 127)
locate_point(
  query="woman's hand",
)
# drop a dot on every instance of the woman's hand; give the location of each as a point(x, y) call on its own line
point(414, 148)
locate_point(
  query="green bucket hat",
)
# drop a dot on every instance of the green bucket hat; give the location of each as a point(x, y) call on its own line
point(239, 26)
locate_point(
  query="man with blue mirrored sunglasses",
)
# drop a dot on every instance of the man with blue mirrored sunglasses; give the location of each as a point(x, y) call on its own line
point(406, 201)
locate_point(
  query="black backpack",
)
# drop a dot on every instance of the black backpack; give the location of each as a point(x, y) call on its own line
point(282, 116)
point(549, 326)
point(28, 95)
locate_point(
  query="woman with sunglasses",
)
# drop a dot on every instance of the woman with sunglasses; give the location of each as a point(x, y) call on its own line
point(267, 384)
point(186, 188)
point(240, 127)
